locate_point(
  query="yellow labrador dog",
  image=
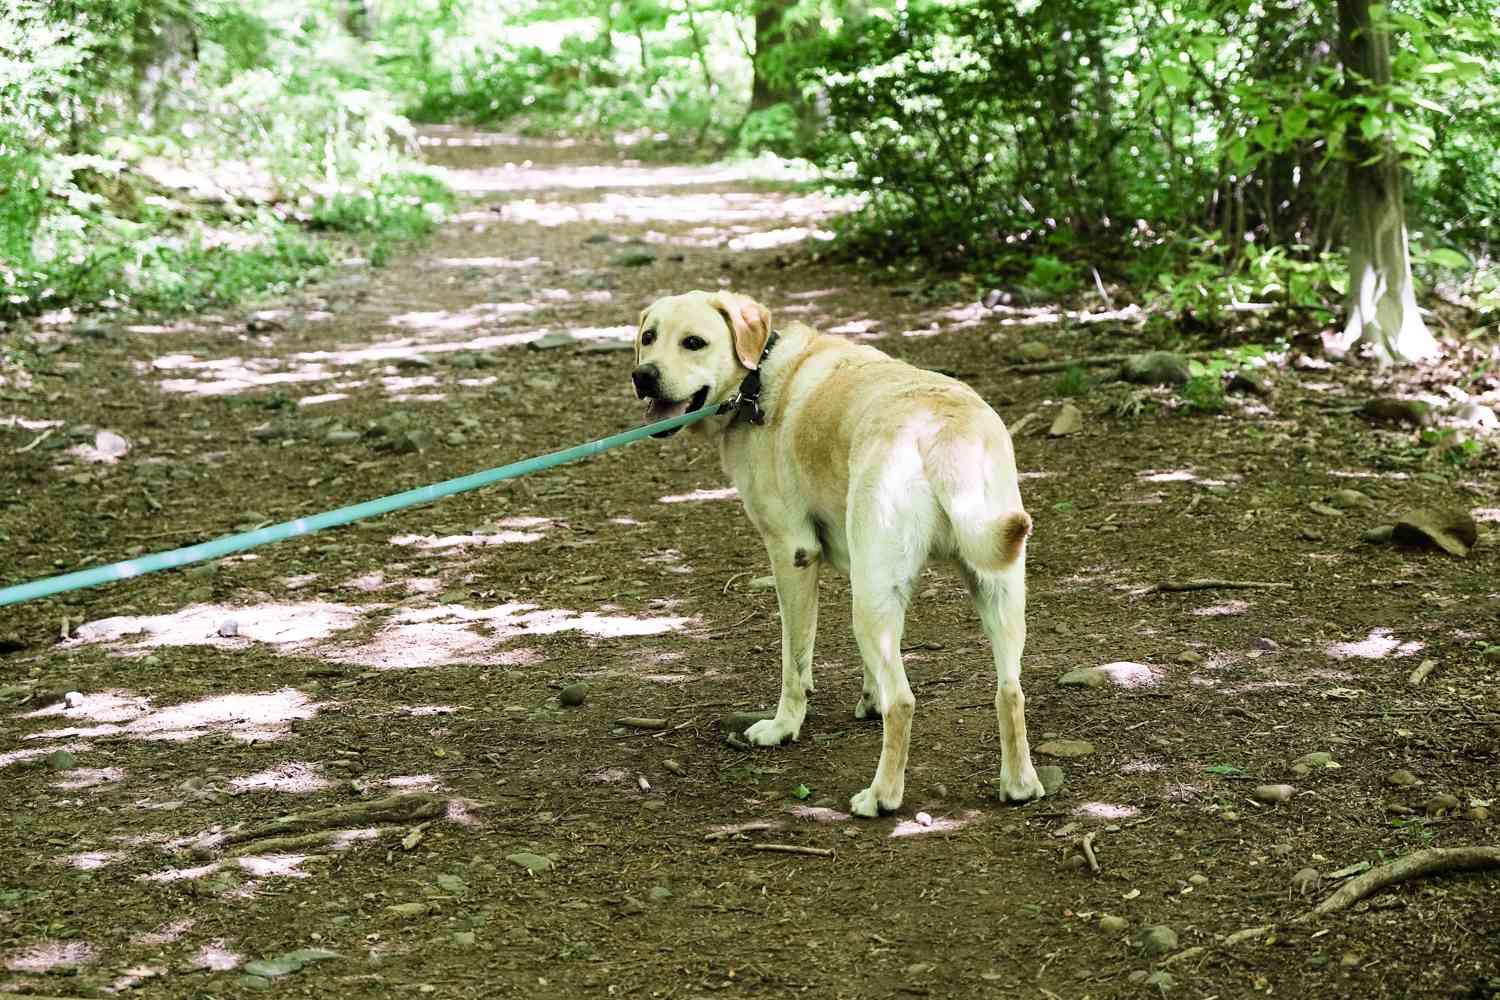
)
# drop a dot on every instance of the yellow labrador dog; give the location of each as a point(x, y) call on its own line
point(843, 454)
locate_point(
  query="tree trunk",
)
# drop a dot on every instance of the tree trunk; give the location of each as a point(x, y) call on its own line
point(1383, 315)
point(769, 32)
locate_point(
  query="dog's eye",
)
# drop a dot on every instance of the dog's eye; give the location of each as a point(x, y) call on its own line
point(694, 343)
point(648, 338)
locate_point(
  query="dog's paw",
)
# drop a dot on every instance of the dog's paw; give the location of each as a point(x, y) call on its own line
point(771, 732)
point(868, 804)
point(1025, 787)
point(868, 707)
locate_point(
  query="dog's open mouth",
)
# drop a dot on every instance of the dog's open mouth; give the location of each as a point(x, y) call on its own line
point(661, 409)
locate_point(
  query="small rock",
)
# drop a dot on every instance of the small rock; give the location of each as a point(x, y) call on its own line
point(1197, 879)
point(1033, 350)
point(531, 862)
point(1189, 657)
point(61, 760)
point(1051, 777)
point(455, 439)
point(249, 982)
point(1066, 748)
point(1478, 814)
point(229, 628)
point(1402, 779)
point(992, 298)
point(1307, 881)
point(1451, 529)
point(1325, 510)
point(1273, 793)
point(408, 910)
point(1318, 758)
point(1441, 804)
point(573, 695)
point(1247, 934)
point(1084, 677)
point(1351, 500)
point(1069, 420)
point(1158, 940)
point(1264, 645)
point(1156, 368)
point(72, 699)
point(1378, 535)
point(1473, 415)
point(1161, 980)
point(1111, 924)
point(1405, 412)
point(1251, 381)
point(548, 341)
point(342, 437)
point(414, 361)
point(462, 939)
point(923, 819)
point(676, 768)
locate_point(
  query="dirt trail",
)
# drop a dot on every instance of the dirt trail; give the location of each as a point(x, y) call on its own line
point(424, 653)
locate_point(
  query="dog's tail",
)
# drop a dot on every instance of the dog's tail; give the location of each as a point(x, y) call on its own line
point(991, 544)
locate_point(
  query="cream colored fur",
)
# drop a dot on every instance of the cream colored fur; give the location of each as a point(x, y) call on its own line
point(875, 467)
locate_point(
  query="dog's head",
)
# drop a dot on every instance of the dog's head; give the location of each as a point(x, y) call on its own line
point(694, 350)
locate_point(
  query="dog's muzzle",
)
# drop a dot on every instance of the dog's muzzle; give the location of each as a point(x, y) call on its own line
point(646, 379)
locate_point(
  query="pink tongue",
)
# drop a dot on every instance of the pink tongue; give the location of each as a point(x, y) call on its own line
point(660, 410)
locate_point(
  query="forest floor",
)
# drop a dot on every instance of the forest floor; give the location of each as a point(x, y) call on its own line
point(153, 729)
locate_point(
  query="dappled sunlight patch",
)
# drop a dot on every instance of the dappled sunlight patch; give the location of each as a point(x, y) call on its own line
point(670, 560)
point(412, 783)
point(460, 812)
point(283, 625)
point(818, 814)
point(24, 424)
point(486, 263)
point(1486, 514)
point(1125, 674)
point(935, 824)
point(855, 327)
point(89, 777)
point(217, 956)
point(134, 976)
point(668, 678)
point(1140, 766)
point(164, 934)
point(779, 238)
point(438, 637)
point(435, 543)
point(44, 956)
point(293, 777)
point(1223, 609)
point(274, 865)
point(249, 717)
point(608, 775)
point(727, 493)
point(181, 874)
point(112, 705)
point(1105, 811)
point(420, 711)
point(1378, 645)
point(87, 861)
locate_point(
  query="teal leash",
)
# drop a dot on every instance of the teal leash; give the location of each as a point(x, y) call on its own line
point(229, 544)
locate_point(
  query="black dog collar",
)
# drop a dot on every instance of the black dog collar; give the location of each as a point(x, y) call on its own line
point(746, 401)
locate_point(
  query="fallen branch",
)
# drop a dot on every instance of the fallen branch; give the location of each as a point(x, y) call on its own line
point(1419, 675)
point(1088, 852)
point(820, 852)
point(322, 838)
point(1090, 361)
point(36, 441)
point(747, 828)
point(636, 722)
point(1020, 425)
point(1178, 586)
point(1435, 861)
point(391, 809)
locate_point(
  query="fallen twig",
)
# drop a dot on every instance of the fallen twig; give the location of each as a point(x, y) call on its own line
point(391, 809)
point(820, 852)
point(1087, 361)
point(747, 828)
point(1419, 675)
point(636, 722)
point(1025, 422)
point(1088, 852)
point(36, 441)
point(1434, 861)
point(1177, 586)
point(321, 838)
point(730, 582)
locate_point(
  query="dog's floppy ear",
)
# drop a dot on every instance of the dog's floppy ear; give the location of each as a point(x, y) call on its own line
point(750, 321)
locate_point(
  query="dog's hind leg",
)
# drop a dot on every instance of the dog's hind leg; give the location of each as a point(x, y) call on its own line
point(796, 571)
point(1000, 599)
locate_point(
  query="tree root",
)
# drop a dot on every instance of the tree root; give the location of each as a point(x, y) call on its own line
point(321, 838)
point(1435, 861)
point(391, 809)
point(1178, 586)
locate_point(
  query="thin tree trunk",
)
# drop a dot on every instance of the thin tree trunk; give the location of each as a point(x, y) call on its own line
point(769, 32)
point(1383, 314)
point(698, 47)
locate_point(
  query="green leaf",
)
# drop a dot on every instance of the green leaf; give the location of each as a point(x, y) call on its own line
point(1174, 75)
point(1373, 126)
point(1294, 122)
point(1444, 257)
point(802, 791)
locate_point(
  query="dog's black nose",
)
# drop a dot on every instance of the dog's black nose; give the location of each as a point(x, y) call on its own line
point(645, 378)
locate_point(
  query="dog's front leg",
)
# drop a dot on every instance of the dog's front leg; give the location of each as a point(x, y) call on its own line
point(796, 571)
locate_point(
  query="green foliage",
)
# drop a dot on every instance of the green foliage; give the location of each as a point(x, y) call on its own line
point(1074, 381)
point(270, 105)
